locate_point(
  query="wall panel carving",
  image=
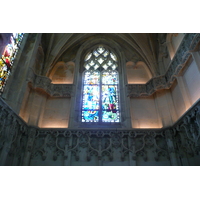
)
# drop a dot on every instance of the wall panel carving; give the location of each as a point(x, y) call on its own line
point(25, 145)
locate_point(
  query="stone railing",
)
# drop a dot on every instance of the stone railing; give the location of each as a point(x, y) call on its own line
point(13, 136)
point(187, 45)
point(26, 145)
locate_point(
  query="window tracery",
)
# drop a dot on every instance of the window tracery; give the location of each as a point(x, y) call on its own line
point(100, 97)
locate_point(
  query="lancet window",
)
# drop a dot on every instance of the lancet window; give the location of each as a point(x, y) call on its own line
point(6, 60)
point(100, 96)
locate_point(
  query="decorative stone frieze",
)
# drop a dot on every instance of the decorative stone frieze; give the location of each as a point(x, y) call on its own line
point(21, 144)
point(55, 90)
point(195, 41)
point(143, 90)
point(188, 44)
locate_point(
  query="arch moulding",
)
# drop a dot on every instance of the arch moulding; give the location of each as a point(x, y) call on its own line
point(75, 120)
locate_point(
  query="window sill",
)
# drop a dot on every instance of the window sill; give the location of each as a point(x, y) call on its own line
point(100, 125)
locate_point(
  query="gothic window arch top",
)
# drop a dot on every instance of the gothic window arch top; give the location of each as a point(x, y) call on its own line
point(100, 96)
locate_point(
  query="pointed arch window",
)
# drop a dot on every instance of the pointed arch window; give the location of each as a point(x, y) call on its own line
point(100, 97)
point(6, 60)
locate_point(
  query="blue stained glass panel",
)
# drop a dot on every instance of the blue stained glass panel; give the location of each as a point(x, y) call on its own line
point(90, 97)
point(100, 98)
point(110, 103)
point(90, 116)
point(109, 116)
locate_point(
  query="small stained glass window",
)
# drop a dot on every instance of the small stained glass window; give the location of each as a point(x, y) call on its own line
point(7, 58)
point(100, 96)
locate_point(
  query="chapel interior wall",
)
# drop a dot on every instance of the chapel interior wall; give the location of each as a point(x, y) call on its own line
point(137, 73)
point(166, 106)
point(161, 109)
point(56, 113)
point(191, 77)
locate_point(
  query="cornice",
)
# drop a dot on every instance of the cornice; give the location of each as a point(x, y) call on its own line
point(189, 43)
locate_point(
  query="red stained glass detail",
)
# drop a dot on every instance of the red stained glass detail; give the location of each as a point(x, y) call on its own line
point(7, 58)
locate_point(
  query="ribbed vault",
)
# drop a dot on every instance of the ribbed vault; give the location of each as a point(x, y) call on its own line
point(64, 47)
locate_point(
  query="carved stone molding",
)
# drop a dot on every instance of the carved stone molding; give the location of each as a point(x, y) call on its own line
point(54, 90)
point(21, 144)
point(188, 44)
point(144, 90)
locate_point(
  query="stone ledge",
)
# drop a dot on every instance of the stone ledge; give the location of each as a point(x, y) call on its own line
point(54, 90)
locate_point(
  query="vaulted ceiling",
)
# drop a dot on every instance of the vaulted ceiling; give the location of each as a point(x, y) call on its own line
point(136, 47)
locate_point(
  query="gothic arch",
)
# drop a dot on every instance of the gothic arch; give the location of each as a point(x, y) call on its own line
point(79, 61)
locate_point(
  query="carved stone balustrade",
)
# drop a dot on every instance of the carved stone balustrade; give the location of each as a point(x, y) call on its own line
point(13, 136)
point(188, 44)
point(26, 145)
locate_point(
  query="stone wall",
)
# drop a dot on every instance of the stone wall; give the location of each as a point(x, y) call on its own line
point(166, 98)
point(21, 144)
point(164, 113)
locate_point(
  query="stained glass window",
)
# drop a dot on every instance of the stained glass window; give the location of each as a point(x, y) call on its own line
point(100, 97)
point(6, 60)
